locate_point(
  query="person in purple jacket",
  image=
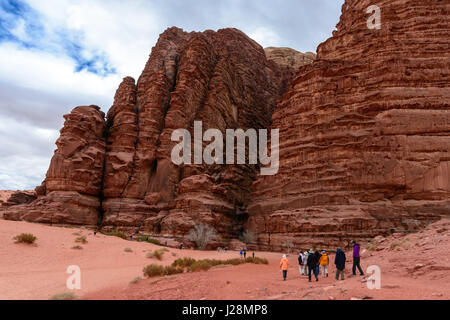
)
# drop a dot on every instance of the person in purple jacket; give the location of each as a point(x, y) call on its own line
point(356, 258)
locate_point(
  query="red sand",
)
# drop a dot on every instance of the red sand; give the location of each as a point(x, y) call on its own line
point(418, 268)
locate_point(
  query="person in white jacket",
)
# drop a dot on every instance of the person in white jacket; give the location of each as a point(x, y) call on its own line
point(301, 263)
point(305, 266)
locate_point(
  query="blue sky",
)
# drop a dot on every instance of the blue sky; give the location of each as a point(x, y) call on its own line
point(58, 54)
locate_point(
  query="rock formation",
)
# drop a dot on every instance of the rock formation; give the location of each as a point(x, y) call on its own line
point(364, 132)
point(120, 172)
point(364, 136)
point(14, 198)
point(289, 59)
point(71, 191)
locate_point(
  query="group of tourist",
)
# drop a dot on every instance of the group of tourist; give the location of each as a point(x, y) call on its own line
point(313, 262)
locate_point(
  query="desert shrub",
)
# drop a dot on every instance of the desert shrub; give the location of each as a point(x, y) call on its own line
point(171, 270)
point(153, 270)
point(64, 296)
point(202, 235)
point(201, 265)
point(81, 239)
point(135, 280)
point(149, 240)
point(174, 254)
point(256, 260)
point(235, 261)
point(128, 250)
point(27, 238)
point(116, 233)
point(76, 234)
point(157, 254)
point(77, 247)
point(183, 262)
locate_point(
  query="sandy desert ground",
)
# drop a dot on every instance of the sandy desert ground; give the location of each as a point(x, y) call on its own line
point(413, 267)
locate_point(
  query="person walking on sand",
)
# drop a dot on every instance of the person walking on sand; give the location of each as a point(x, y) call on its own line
point(241, 253)
point(305, 265)
point(339, 261)
point(317, 256)
point(356, 258)
point(245, 253)
point(324, 261)
point(300, 263)
point(312, 265)
point(284, 265)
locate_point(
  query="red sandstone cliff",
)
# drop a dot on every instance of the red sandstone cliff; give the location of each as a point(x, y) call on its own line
point(364, 136)
point(364, 132)
point(118, 173)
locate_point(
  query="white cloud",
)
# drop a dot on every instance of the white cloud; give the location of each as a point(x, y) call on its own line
point(51, 73)
point(124, 30)
point(265, 37)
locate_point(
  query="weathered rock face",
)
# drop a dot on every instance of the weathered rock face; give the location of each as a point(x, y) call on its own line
point(220, 78)
point(14, 198)
point(288, 58)
point(71, 192)
point(364, 132)
point(120, 170)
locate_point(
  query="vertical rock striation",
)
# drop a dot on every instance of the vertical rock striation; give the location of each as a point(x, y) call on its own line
point(364, 132)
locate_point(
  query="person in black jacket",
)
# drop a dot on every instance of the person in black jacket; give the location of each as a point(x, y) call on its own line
point(339, 261)
point(317, 256)
point(312, 265)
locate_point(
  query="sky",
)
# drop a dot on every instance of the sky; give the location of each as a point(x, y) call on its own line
point(59, 54)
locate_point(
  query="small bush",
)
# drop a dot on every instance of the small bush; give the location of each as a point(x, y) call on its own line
point(153, 270)
point(183, 262)
point(235, 261)
point(149, 240)
point(76, 234)
point(64, 296)
point(81, 239)
point(256, 260)
point(128, 250)
point(171, 270)
point(135, 280)
point(27, 238)
point(77, 247)
point(201, 265)
point(202, 235)
point(116, 233)
point(158, 254)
